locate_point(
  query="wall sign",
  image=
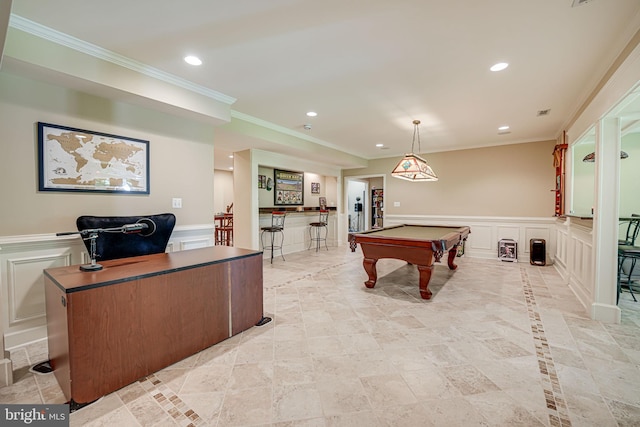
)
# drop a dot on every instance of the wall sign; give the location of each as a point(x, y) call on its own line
point(289, 188)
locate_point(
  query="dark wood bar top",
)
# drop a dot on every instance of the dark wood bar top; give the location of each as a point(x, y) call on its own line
point(293, 209)
point(71, 279)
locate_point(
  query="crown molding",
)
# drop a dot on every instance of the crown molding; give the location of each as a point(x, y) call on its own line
point(82, 46)
point(286, 131)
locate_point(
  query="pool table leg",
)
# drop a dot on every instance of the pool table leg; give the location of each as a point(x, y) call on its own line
point(452, 257)
point(370, 267)
point(425, 278)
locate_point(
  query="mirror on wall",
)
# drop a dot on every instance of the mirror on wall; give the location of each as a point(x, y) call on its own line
point(630, 171)
point(583, 175)
point(583, 172)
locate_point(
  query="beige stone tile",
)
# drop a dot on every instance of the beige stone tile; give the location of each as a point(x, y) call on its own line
point(455, 411)
point(98, 409)
point(357, 343)
point(207, 406)
point(147, 412)
point(293, 371)
point(250, 375)
point(510, 374)
point(23, 391)
point(408, 359)
point(296, 402)
point(430, 384)
point(221, 354)
point(118, 417)
point(501, 410)
point(443, 355)
point(326, 346)
point(311, 422)
point(355, 419)
point(291, 349)
point(370, 363)
point(468, 379)
point(411, 415)
point(207, 379)
point(589, 410)
point(255, 351)
point(246, 407)
point(387, 390)
point(342, 396)
point(334, 367)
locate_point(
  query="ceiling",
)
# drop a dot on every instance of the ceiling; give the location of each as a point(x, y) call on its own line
point(369, 67)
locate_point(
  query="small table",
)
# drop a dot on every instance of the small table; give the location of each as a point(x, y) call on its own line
point(421, 245)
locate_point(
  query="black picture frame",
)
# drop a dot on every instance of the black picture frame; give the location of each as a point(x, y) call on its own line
point(289, 188)
point(315, 188)
point(80, 160)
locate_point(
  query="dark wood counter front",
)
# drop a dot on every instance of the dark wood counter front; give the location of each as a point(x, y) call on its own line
point(109, 328)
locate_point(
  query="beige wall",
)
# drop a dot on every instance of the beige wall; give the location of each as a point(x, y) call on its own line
point(181, 159)
point(509, 180)
point(222, 190)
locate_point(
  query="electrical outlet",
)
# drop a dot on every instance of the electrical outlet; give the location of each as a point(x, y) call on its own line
point(396, 204)
point(176, 203)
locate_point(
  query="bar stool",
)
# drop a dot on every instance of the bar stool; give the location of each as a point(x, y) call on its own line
point(315, 229)
point(277, 227)
point(632, 253)
point(628, 251)
point(224, 232)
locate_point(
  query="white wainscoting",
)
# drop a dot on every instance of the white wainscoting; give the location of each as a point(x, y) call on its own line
point(486, 232)
point(574, 258)
point(296, 231)
point(23, 259)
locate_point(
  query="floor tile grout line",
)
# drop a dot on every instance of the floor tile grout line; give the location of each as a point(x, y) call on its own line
point(554, 398)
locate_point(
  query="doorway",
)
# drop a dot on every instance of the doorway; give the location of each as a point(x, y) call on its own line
point(364, 201)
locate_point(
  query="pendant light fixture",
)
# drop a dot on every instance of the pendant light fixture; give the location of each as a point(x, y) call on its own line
point(413, 167)
point(591, 157)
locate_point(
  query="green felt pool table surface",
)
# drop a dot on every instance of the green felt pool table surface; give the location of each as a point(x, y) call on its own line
point(421, 245)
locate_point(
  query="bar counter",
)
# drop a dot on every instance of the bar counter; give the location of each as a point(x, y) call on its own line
point(294, 209)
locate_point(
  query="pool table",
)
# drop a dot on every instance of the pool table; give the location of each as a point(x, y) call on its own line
point(421, 245)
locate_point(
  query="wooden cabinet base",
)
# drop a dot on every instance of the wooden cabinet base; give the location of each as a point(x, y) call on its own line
point(109, 328)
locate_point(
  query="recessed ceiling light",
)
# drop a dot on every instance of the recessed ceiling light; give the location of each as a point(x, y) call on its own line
point(503, 128)
point(379, 145)
point(312, 114)
point(230, 168)
point(192, 60)
point(499, 66)
point(231, 156)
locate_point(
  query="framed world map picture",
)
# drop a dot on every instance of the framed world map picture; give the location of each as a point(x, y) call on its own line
point(71, 159)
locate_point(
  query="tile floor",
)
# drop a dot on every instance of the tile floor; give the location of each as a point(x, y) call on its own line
point(499, 344)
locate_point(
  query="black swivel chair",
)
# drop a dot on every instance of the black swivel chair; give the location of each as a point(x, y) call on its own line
point(152, 238)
